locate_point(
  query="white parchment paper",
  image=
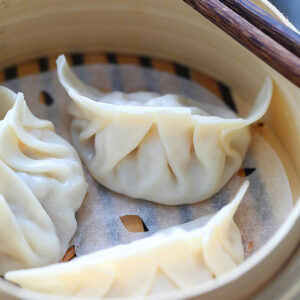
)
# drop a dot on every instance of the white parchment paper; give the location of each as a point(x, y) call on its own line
point(264, 208)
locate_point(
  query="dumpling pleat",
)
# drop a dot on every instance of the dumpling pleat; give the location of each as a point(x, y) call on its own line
point(113, 142)
point(17, 236)
point(183, 264)
point(162, 284)
point(13, 156)
point(221, 250)
point(87, 280)
point(19, 123)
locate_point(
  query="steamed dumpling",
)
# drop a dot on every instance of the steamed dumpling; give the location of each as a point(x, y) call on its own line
point(160, 148)
point(167, 261)
point(41, 187)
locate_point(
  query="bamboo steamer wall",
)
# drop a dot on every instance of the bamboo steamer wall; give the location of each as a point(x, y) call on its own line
point(172, 30)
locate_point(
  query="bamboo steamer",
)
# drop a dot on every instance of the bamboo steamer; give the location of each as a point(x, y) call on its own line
point(170, 30)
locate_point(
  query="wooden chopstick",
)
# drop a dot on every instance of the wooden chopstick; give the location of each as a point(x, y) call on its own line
point(256, 41)
point(266, 23)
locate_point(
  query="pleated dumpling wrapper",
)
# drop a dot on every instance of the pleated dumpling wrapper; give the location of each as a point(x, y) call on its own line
point(159, 148)
point(169, 260)
point(41, 186)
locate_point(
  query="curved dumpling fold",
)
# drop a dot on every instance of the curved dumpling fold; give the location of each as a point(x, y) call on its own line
point(160, 148)
point(167, 261)
point(42, 185)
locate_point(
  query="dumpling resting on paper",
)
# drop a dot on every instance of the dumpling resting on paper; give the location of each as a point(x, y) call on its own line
point(41, 186)
point(167, 261)
point(160, 148)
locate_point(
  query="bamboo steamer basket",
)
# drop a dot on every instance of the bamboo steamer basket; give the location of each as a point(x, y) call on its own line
point(170, 30)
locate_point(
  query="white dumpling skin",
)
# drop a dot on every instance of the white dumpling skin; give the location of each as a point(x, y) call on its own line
point(42, 185)
point(164, 149)
point(167, 261)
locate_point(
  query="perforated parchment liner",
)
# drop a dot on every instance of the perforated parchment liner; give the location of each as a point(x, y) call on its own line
point(264, 208)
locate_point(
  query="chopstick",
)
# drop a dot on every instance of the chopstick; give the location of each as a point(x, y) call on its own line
point(256, 41)
point(266, 23)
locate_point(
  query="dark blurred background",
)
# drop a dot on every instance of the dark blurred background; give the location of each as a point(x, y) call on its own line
point(290, 8)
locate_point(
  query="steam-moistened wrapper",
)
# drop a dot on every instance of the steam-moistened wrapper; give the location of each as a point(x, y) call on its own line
point(169, 261)
point(265, 207)
point(166, 149)
point(42, 185)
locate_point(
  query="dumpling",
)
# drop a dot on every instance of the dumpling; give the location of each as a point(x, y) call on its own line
point(160, 148)
point(42, 185)
point(167, 261)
